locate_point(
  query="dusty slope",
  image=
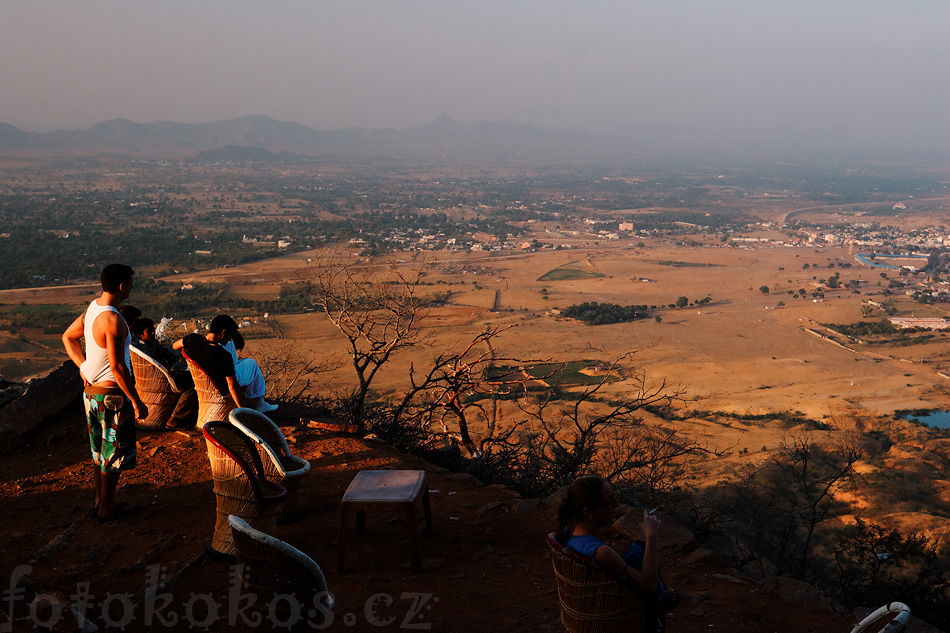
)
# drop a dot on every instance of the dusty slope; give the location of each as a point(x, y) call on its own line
point(486, 565)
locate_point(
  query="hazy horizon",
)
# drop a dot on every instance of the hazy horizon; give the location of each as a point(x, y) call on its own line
point(847, 72)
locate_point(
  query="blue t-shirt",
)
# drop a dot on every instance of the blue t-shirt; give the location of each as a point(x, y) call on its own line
point(585, 544)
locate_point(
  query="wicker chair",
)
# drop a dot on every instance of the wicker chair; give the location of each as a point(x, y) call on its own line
point(214, 403)
point(274, 568)
point(592, 599)
point(891, 618)
point(240, 486)
point(280, 465)
point(156, 387)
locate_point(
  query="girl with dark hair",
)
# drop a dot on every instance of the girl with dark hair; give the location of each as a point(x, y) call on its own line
point(589, 506)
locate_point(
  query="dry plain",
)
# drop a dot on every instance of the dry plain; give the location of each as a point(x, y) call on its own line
point(741, 353)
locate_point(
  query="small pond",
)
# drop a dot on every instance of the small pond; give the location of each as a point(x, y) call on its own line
point(936, 420)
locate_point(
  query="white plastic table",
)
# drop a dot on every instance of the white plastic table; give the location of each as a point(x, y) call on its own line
point(392, 490)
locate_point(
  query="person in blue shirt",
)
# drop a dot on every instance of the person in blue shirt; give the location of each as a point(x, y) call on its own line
point(588, 507)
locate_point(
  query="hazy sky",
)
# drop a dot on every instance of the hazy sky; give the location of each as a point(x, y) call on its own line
point(833, 66)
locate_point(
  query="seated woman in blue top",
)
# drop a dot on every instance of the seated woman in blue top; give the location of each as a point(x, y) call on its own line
point(589, 506)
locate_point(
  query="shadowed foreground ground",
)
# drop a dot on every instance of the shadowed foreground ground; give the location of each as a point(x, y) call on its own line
point(485, 568)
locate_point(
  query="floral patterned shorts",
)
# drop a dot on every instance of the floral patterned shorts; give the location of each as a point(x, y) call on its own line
point(111, 424)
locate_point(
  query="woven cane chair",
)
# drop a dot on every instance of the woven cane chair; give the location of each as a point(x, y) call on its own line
point(280, 465)
point(214, 403)
point(240, 486)
point(593, 600)
point(156, 387)
point(273, 568)
point(891, 618)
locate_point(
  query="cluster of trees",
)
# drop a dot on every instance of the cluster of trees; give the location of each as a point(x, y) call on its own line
point(864, 328)
point(157, 298)
point(669, 219)
point(33, 257)
point(594, 313)
point(682, 302)
point(79, 232)
point(781, 517)
point(52, 318)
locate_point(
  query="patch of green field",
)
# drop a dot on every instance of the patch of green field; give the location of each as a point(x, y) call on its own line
point(675, 264)
point(562, 274)
point(259, 292)
point(563, 374)
point(52, 318)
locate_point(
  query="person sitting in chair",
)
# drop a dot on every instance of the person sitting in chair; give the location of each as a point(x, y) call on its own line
point(216, 354)
point(143, 337)
point(186, 410)
point(589, 506)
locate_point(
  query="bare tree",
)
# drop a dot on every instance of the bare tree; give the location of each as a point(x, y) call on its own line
point(377, 310)
point(290, 376)
point(649, 463)
point(770, 514)
point(454, 390)
point(572, 431)
point(551, 434)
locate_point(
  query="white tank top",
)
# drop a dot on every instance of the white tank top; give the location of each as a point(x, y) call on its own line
point(95, 368)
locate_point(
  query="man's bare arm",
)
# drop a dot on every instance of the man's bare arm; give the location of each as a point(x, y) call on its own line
point(71, 338)
point(233, 388)
point(114, 332)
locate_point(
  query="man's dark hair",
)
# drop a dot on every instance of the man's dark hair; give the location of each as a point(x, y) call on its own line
point(114, 275)
point(223, 323)
point(140, 325)
point(129, 313)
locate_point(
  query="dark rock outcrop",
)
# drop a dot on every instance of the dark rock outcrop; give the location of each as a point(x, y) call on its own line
point(43, 397)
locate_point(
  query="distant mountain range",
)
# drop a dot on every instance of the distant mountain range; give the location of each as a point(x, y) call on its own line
point(168, 138)
point(262, 139)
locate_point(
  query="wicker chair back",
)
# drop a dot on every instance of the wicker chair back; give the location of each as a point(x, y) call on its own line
point(280, 465)
point(273, 567)
point(157, 389)
point(593, 600)
point(240, 485)
point(214, 403)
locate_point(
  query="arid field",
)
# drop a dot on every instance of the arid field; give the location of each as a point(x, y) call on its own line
point(741, 353)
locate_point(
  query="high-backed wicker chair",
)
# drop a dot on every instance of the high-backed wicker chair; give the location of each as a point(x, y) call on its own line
point(156, 387)
point(214, 401)
point(280, 465)
point(273, 568)
point(891, 618)
point(592, 599)
point(240, 485)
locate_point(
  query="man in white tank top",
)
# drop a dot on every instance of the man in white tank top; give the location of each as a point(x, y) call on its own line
point(111, 402)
